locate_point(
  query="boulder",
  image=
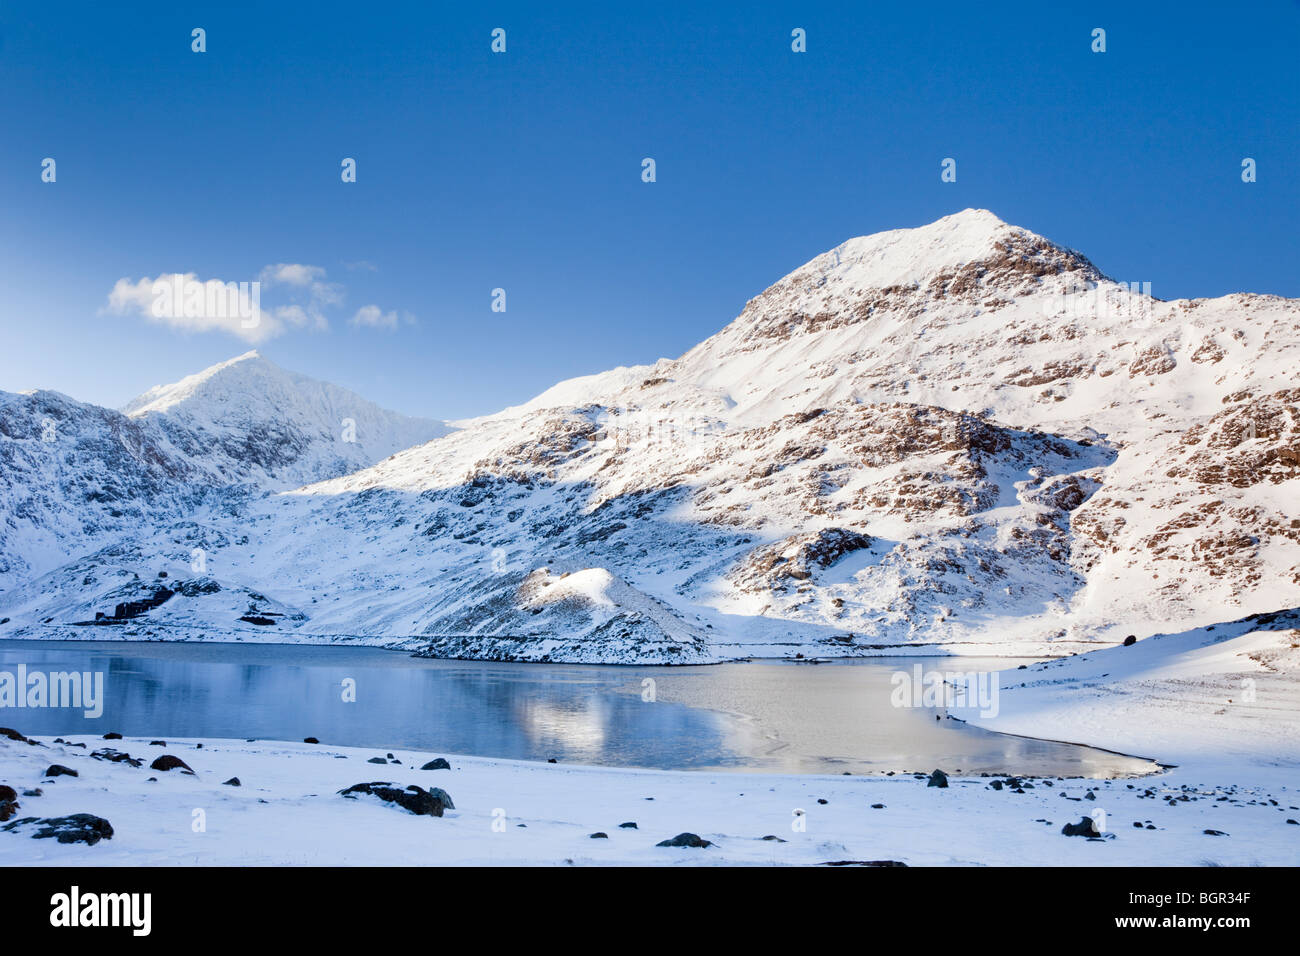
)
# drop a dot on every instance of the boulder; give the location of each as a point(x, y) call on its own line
point(1084, 828)
point(168, 762)
point(938, 779)
point(685, 839)
point(74, 828)
point(58, 770)
point(417, 800)
point(438, 763)
point(115, 756)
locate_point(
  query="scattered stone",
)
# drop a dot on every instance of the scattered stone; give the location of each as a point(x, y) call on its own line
point(1130, 640)
point(8, 802)
point(996, 785)
point(822, 801)
point(938, 779)
point(377, 760)
point(438, 763)
point(157, 743)
point(877, 806)
point(599, 835)
point(310, 740)
point(168, 762)
point(1084, 828)
point(632, 826)
point(11, 734)
point(551, 760)
point(115, 756)
point(232, 782)
point(74, 828)
point(34, 792)
point(419, 801)
point(685, 839)
point(58, 770)
point(864, 863)
point(1214, 833)
point(773, 838)
point(112, 735)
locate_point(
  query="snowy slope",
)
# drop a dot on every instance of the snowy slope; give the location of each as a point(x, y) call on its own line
point(257, 422)
point(77, 477)
point(959, 435)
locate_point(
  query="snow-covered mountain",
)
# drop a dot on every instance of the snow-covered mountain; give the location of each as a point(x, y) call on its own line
point(253, 421)
point(960, 435)
point(77, 476)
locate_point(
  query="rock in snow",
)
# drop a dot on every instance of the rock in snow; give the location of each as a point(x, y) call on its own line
point(419, 801)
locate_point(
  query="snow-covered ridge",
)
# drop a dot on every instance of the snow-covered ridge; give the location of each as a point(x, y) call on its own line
point(77, 476)
point(280, 427)
point(960, 436)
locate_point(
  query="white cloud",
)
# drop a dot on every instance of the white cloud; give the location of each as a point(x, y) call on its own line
point(183, 301)
point(291, 273)
point(374, 317)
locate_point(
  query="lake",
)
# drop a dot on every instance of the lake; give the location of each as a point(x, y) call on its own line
point(772, 716)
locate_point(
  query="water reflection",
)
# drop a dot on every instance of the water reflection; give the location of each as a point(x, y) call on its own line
point(749, 716)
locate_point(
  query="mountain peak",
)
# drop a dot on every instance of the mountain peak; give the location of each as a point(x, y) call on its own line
point(161, 398)
point(903, 256)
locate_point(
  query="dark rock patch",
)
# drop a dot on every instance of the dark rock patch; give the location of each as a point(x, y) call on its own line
point(438, 763)
point(864, 863)
point(8, 802)
point(1084, 828)
point(685, 839)
point(74, 828)
point(168, 762)
point(115, 756)
point(58, 770)
point(417, 800)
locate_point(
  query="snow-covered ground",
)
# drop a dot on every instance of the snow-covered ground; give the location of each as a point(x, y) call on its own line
point(1177, 698)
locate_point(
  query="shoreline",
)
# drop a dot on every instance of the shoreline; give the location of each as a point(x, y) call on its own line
point(799, 651)
point(1226, 795)
point(288, 811)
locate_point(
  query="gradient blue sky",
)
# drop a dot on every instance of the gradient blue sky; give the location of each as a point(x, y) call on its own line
point(522, 170)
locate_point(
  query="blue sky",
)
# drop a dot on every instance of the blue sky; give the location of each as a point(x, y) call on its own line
point(522, 170)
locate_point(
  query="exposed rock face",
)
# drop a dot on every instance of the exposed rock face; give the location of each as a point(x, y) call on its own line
point(957, 433)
